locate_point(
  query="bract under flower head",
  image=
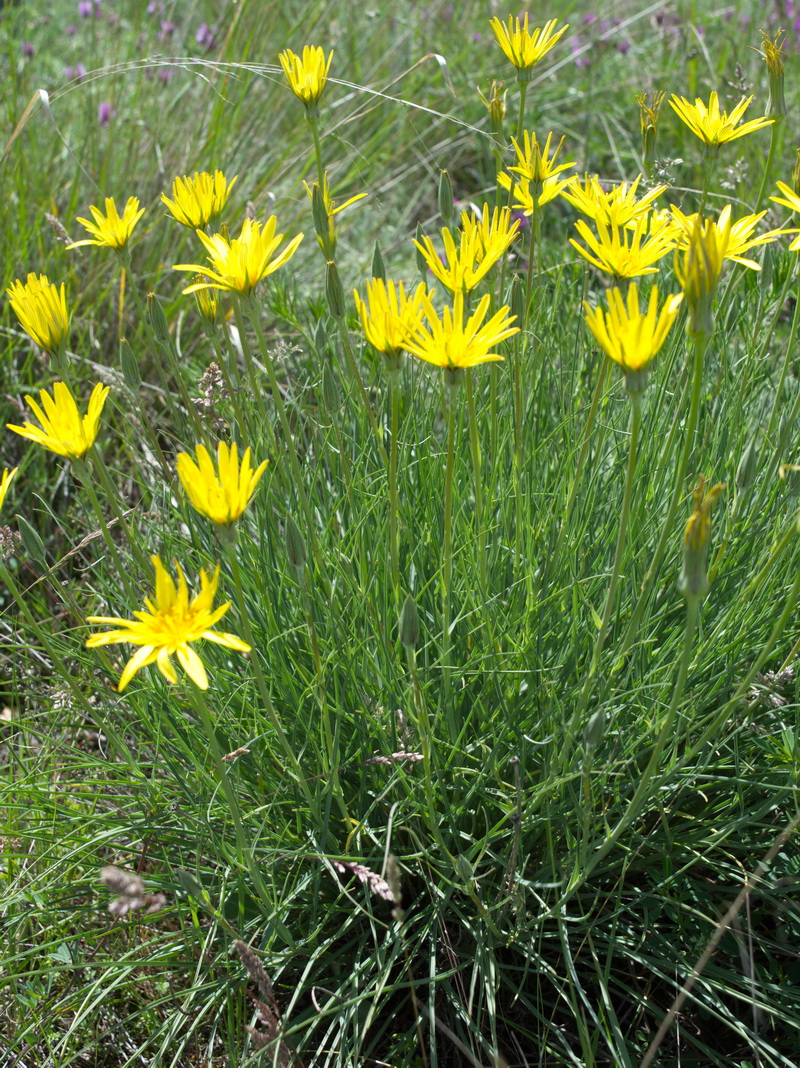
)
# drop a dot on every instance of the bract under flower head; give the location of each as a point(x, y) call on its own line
point(451, 343)
point(632, 338)
point(168, 628)
point(698, 268)
point(220, 495)
point(63, 430)
point(111, 230)
point(715, 127)
point(41, 309)
point(306, 74)
point(239, 265)
point(523, 47)
point(198, 200)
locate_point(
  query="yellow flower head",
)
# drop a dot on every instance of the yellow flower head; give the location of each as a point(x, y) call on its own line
point(627, 251)
point(523, 195)
point(41, 309)
point(712, 126)
point(240, 264)
point(789, 200)
point(693, 581)
point(617, 207)
point(220, 495)
point(389, 318)
point(451, 343)
point(632, 338)
point(522, 47)
point(5, 482)
point(198, 200)
point(63, 431)
point(109, 230)
point(307, 75)
point(735, 238)
point(168, 627)
point(481, 245)
point(698, 268)
point(535, 163)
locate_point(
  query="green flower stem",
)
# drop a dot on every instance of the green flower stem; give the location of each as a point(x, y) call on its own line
point(291, 449)
point(352, 367)
point(475, 449)
point(394, 400)
point(773, 418)
point(261, 682)
point(519, 350)
point(523, 92)
point(140, 308)
point(82, 469)
point(616, 569)
point(775, 131)
point(447, 556)
point(111, 495)
point(700, 345)
point(709, 166)
point(424, 732)
point(255, 385)
point(312, 122)
point(241, 422)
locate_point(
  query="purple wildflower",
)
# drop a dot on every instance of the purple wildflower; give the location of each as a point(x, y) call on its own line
point(85, 9)
point(105, 113)
point(28, 49)
point(167, 29)
point(204, 36)
point(78, 73)
point(71, 30)
point(166, 74)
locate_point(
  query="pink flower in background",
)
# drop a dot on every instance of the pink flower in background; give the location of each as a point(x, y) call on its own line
point(71, 30)
point(204, 36)
point(78, 72)
point(28, 49)
point(167, 29)
point(105, 113)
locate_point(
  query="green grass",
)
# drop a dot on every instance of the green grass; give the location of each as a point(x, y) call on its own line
point(523, 936)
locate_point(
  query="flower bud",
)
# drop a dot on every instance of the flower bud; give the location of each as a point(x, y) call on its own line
point(378, 268)
point(773, 57)
point(595, 729)
point(409, 624)
point(649, 107)
point(693, 581)
point(334, 291)
point(331, 397)
point(422, 265)
point(31, 542)
point(321, 336)
point(518, 299)
point(699, 268)
point(130, 366)
point(158, 320)
point(295, 544)
point(206, 302)
point(746, 471)
point(322, 221)
point(464, 869)
point(445, 197)
point(496, 106)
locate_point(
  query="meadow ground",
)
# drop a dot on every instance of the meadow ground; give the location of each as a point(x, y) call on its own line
point(491, 758)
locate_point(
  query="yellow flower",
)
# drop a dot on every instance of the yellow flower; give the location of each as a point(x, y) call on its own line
point(630, 338)
point(224, 494)
point(789, 200)
point(168, 627)
point(693, 581)
point(63, 430)
point(109, 230)
point(617, 207)
point(240, 264)
point(481, 245)
point(698, 268)
point(329, 209)
point(523, 48)
point(626, 252)
point(198, 200)
point(41, 309)
point(5, 482)
point(451, 343)
point(307, 75)
point(735, 238)
point(389, 318)
point(523, 195)
point(535, 163)
point(713, 127)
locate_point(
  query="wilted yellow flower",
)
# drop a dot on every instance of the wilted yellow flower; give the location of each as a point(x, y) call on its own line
point(617, 207)
point(63, 430)
point(535, 163)
point(220, 495)
point(326, 207)
point(736, 238)
point(41, 309)
point(307, 75)
point(5, 482)
point(789, 200)
point(632, 338)
point(496, 106)
point(524, 48)
point(198, 200)
point(649, 107)
point(168, 627)
point(627, 251)
point(110, 230)
point(389, 318)
point(773, 55)
point(239, 265)
point(712, 126)
point(481, 245)
point(451, 343)
point(698, 267)
point(693, 581)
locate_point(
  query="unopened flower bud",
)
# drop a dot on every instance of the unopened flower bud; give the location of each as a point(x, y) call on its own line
point(496, 106)
point(518, 299)
point(158, 320)
point(334, 291)
point(693, 581)
point(699, 268)
point(321, 336)
point(331, 397)
point(746, 471)
point(31, 542)
point(208, 307)
point(319, 213)
point(295, 544)
point(464, 869)
point(595, 729)
point(378, 267)
point(409, 624)
point(773, 57)
point(649, 107)
point(130, 366)
point(445, 197)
